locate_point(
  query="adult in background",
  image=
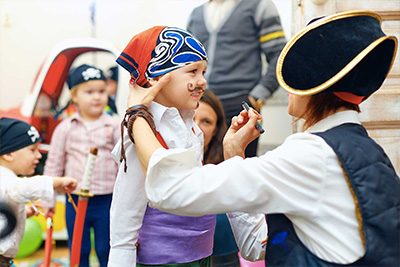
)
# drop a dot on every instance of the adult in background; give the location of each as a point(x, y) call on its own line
point(236, 33)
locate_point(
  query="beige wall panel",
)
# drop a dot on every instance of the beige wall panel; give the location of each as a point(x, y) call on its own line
point(381, 108)
point(374, 5)
point(389, 140)
point(392, 27)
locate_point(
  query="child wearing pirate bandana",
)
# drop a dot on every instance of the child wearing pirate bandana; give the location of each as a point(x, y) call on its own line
point(19, 155)
point(140, 234)
point(69, 148)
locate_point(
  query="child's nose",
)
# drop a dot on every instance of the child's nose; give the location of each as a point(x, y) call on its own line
point(202, 81)
point(97, 95)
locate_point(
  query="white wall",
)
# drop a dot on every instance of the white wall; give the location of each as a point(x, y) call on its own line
point(29, 29)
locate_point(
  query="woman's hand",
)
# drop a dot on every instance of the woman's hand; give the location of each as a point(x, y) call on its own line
point(144, 96)
point(241, 132)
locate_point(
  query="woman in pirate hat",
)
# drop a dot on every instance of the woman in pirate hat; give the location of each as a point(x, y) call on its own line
point(330, 193)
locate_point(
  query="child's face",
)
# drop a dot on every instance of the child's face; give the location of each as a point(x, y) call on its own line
point(185, 87)
point(25, 160)
point(91, 97)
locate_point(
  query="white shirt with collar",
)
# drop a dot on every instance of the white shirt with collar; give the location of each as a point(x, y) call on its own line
point(301, 178)
point(217, 12)
point(129, 197)
point(17, 192)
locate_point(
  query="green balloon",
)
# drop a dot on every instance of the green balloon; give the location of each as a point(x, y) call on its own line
point(32, 238)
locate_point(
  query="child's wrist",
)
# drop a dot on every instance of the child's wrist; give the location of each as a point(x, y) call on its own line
point(56, 181)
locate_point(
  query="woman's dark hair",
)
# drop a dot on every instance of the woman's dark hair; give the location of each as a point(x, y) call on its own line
point(322, 104)
point(215, 152)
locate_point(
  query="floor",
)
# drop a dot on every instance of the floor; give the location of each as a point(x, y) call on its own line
point(59, 256)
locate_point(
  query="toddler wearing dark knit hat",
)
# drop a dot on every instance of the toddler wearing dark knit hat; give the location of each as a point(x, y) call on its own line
point(19, 155)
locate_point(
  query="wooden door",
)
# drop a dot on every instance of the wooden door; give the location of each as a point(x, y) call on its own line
point(380, 114)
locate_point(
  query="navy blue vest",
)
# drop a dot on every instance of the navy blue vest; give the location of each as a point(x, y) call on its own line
point(377, 189)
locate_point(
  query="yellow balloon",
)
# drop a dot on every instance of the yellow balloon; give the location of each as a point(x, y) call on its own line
point(59, 217)
point(42, 221)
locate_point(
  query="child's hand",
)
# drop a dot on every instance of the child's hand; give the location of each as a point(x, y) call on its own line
point(64, 184)
point(30, 211)
point(144, 96)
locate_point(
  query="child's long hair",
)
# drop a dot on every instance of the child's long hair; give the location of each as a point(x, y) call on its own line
point(215, 152)
point(322, 104)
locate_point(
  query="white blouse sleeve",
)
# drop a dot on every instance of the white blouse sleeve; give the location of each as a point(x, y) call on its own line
point(250, 231)
point(286, 180)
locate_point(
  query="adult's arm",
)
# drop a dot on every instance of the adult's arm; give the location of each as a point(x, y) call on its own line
point(272, 40)
point(284, 180)
point(250, 230)
point(239, 135)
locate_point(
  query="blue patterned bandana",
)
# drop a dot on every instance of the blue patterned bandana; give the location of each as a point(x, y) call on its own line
point(175, 48)
point(159, 50)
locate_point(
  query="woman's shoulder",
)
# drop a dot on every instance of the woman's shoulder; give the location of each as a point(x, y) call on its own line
point(305, 145)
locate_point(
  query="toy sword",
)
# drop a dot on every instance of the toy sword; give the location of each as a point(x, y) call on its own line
point(48, 245)
point(84, 195)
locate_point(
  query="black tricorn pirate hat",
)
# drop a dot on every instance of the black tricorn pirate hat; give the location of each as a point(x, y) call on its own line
point(346, 53)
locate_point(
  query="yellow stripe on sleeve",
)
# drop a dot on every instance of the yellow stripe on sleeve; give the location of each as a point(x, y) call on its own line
point(272, 35)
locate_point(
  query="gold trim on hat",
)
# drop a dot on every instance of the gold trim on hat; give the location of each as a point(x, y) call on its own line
point(346, 69)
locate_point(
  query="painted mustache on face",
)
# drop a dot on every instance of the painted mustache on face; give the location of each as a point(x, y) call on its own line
point(191, 88)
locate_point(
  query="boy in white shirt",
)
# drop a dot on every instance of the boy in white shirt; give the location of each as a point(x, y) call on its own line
point(140, 234)
point(19, 155)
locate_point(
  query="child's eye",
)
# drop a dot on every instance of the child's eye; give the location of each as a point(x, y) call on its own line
point(193, 71)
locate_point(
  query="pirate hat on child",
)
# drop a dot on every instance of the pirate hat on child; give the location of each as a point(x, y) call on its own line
point(159, 50)
point(16, 134)
point(112, 73)
point(346, 53)
point(84, 73)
